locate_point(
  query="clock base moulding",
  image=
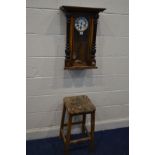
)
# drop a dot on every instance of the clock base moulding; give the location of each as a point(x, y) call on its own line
point(81, 29)
point(80, 67)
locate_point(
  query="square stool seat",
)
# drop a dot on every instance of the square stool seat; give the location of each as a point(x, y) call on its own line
point(77, 105)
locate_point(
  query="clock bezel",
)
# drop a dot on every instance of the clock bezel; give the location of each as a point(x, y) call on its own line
point(85, 20)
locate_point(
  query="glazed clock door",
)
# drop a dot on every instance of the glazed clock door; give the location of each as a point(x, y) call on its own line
point(81, 51)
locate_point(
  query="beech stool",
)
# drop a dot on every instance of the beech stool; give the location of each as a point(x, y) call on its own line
point(77, 105)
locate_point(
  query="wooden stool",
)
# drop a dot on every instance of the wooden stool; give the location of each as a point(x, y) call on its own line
point(77, 105)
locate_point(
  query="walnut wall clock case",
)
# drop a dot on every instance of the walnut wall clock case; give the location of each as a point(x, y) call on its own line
point(81, 36)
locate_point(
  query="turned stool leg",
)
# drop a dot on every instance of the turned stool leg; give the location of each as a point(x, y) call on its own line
point(92, 130)
point(68, 134)
point(83, 123)
point(62, 121)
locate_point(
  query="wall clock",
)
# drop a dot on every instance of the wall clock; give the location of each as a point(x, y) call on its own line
point(81, 36)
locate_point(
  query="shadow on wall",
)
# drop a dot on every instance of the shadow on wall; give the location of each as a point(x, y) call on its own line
point(75, 79)
point(78, 78)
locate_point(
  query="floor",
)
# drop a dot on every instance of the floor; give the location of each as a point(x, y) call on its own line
point(109, 142)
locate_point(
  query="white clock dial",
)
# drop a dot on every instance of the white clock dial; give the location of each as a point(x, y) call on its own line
point(81, 24)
